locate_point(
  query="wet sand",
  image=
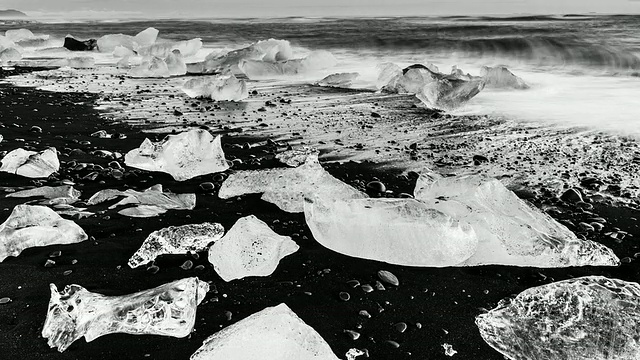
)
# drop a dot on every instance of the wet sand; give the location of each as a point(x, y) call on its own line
point(443, 301)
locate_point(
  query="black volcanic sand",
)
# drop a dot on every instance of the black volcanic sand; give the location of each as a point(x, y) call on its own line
point(444, 302)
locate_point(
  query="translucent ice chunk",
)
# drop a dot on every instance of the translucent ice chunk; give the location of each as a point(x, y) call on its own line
point(151, 67)
point(176, 240)
point(510, 231)
point(30, 226)
point(175, 63)
point(168, 310)
point(183, 156)
point(275, 333)
point(30, 163)
point(150, 202)
point(146, 37)
point(339, 80)
point(287, 187)
point(9, 54)
point(48, 192)
point(396, 231)
point(162, 50)
point(500, 77)
point(16, 35)
point(249, 248)
point(316, 60)
point(297, 157)
point(387, 72)
point(271, 50)
point(588, 318)
point(121, 52)
point(219, 87)
point(108, 43)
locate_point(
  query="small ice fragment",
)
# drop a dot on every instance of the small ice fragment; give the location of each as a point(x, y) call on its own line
point(448, 350)
point(500, 77)
point(30, 226)
point(168, 310)
point(249, 248)
point(176, 240)
point(287, 187)
point(297, 157)
point(585, 318)
point(30, 163)
point(81, 62)
point(150, 202)
point(48, 192)
point(352, 354)
point(219, 88)
point(274, 333)
point(151, 67)
point(343, 80)
point(183, 156)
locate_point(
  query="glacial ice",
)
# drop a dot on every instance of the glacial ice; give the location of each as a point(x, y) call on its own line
point(150, 202)
point(146, 37)
point(108, 43)
point(183, 156)
point(249, 248)
point(175, 63)
point(10, 54)
point(316, 60)
point(31, 164)
point(287, 187)
point(275, 333)
point(435, 89)
point(163, 49)
point(168, 310)
point(121, 52)
point(500, 77)
point(33, 225)
point(16, 35)
point(339, 80)
point(387, 72)
point(176, 240)
point(510, 231)
point(48, 192)
point(271, 50)
point(587, 318)
point(151, 67)
point(218, 87)
point(297, 157)
point(397, 231)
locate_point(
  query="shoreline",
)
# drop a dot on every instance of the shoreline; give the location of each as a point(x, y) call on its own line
point(444, 301)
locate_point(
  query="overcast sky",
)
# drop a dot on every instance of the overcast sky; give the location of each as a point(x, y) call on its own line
point(270, 8)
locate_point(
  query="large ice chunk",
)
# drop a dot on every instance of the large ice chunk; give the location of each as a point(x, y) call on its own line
point(150, 202)
point(33, 225)
point(16, 35)
point(500, 77)
point(151, 67)
point(510, 231)
point(175, 63)
point(339, 80)
point(108, 43)
point(396, 231)
point(287, 187)
point(30, 163)
point(163, 49)
point(275, 333)
point(219, 87)
point(9, 54)
point(387, 72)
point(435, 89)
point(168, 310)
point(588, 318)
point(316, 60)
point(177, 240)
point(271, 50)
point(183, 156)
point(146, 37)
point(249, 248)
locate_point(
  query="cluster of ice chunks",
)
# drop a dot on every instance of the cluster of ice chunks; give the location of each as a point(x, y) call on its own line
point(287, 187)
point(31, 164)
point(501, 78)
point(33, 225)
point(224, 87)
point(169, 310)
point(183, 156)
point(249, 248)
point(108, 43)
point(177, 240)
point(271, 50)
point(433, 88)
point(155, 67)
point(148, 203)
point(509, 230)
point(274, 333)
point(587, 318)
point(339, 80)
point(315, 61)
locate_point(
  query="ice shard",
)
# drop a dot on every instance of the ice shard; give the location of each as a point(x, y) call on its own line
point(396, 231)
point(146, 37)
point(249, 248)
point(32, 225)
point(175, 63)
point(151, 67)
point(177, 240)
point(435, 89)
point(48, 192)
point(168, 310)
point(500, 77)
point(31, 164)
point(510, 231)
point(587, 318)
point(224, 87)
point(150, 202)
point(316, 60)
point(297, 157)
point(342, 80)
point(275, 333)
point(183, 156)
point(287, 187)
